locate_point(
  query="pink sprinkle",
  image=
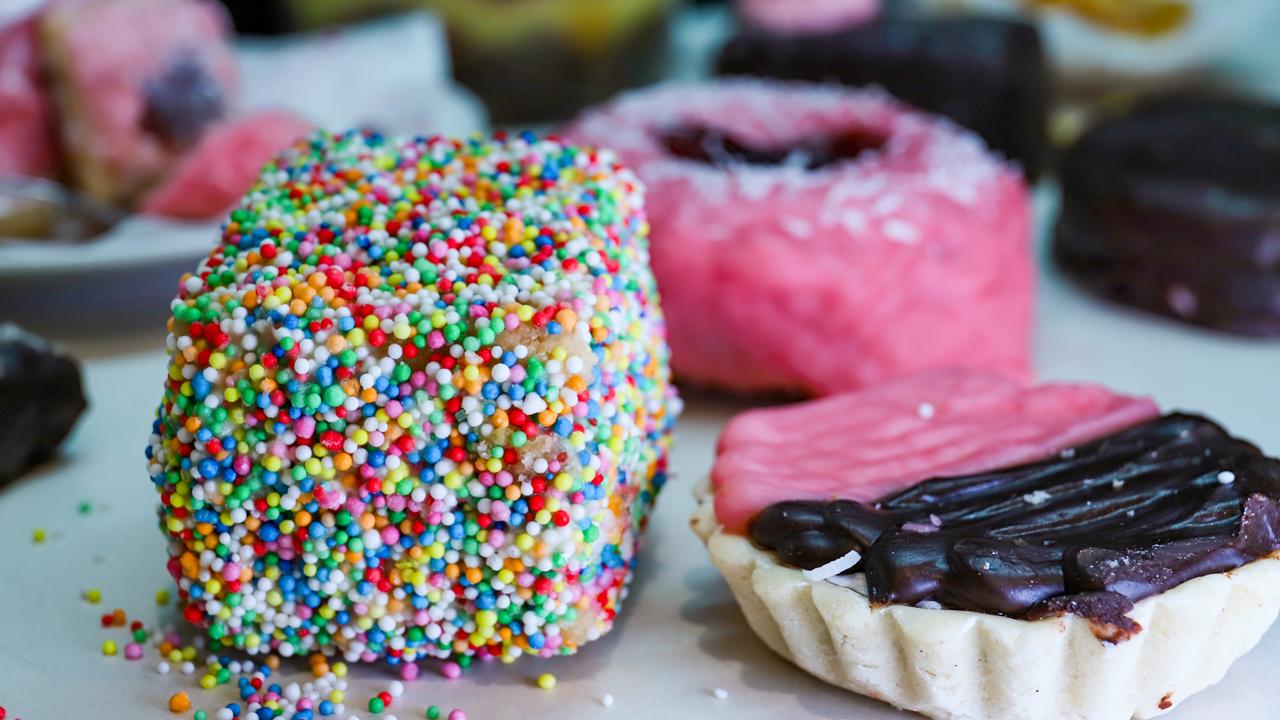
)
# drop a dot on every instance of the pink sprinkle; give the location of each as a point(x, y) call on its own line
point(408, 671)
point(457, 715)
point(453, 671)
point(305, 427)
point(133, 651)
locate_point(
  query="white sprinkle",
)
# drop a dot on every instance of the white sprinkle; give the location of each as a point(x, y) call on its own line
point(833, 568)
point(1182, 301)
point(720, 693)
point(188, 668)
point(163, 668)
point(937, 521)
point(1039, 497)
point(396, 688)
point(916, 527)
point(1226, 477)
point(1117, 484)
point(1067, 454)
point(926, 410)
point(607, 700)
point(929, 605)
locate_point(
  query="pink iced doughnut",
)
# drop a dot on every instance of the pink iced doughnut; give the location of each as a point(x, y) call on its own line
point(912, 255)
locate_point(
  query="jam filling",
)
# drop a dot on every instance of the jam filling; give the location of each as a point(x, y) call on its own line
point(1089, 531)
point(716, 147)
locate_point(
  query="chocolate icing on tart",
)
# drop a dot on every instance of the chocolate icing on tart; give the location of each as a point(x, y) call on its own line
point(1089, 531)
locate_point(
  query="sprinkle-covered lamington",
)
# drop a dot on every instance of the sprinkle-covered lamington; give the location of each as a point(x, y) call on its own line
point(418, 402)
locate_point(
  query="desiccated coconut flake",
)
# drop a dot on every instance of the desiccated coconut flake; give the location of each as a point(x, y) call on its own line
point(833, 568)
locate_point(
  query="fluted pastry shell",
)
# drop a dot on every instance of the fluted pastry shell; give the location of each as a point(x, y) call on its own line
point(962, 665)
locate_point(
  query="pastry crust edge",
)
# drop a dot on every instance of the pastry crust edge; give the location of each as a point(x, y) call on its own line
point(962, 665)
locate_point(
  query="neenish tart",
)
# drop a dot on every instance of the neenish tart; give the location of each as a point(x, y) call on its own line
point(968, 548)
point(812, 239)
point(418, 403)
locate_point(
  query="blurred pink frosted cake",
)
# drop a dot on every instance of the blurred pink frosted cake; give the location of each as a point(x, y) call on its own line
point(27, 133)
point(138, 83)
point(813, 239)
point(216, 172)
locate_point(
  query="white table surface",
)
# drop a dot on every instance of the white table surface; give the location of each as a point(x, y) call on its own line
point(680, 635)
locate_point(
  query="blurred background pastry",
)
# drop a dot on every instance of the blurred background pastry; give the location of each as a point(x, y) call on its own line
point(530, 60)
point(1127, 43)
point(137, 83)
point(986, 73)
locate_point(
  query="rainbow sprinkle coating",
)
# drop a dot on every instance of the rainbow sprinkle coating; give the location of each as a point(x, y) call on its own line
point(418, 403)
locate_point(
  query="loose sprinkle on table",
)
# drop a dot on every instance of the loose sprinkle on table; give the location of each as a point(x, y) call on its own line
point(546, 681)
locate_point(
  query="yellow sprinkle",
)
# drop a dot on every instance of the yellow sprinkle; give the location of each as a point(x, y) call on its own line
point(37, 535)
point(93, 596)
point(162, 597)
point(108, 647)
point(546, 681)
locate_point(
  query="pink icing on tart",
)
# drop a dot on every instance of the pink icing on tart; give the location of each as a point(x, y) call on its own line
point(222, 167)
point(138, 82)
point(813, 239)
point(864, 445)
point(806, 16)
point(27, 138)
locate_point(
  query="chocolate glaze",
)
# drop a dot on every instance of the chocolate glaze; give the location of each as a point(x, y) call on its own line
point(1175, 209)
point(1089, 531)
point(40, 400)
point(715, 147)
point(987, 74)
